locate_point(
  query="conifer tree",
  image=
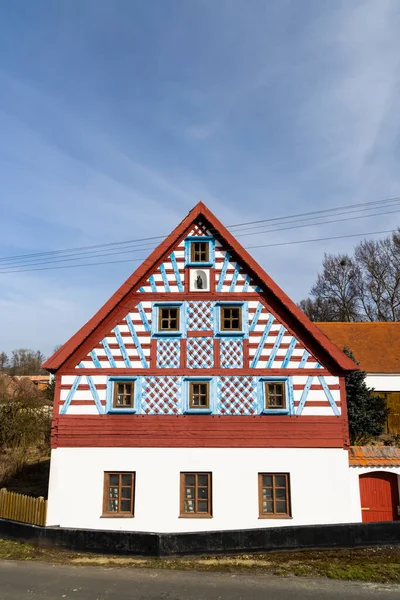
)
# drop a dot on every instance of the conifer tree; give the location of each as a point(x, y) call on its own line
point(367, 411)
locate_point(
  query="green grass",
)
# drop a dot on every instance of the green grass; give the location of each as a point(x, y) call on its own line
point(362, 564)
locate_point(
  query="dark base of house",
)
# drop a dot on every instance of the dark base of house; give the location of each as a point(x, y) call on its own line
point(348, 535)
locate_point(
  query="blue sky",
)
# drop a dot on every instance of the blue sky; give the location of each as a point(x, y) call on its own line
point(116, 117)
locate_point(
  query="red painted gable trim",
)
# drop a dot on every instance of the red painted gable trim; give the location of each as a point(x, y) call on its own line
point(328, 354)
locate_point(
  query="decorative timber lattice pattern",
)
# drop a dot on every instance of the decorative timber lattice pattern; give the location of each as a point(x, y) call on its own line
point(231, 353)
point(200, 353)
point(200, 316)
point(168, 353)
point(237, 396)
point(161, 396)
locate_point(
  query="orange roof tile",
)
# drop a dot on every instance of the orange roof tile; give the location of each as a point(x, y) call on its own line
point(374, 456)
point(376, 346)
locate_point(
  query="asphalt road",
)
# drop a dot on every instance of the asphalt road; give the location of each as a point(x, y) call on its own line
point(21, 580)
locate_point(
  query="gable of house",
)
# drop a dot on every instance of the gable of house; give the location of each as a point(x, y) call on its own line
point(275, 341)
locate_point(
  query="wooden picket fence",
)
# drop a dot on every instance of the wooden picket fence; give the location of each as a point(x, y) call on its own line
point(26, 509)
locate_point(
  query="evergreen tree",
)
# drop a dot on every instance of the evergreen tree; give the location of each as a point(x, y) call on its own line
point(367, 412)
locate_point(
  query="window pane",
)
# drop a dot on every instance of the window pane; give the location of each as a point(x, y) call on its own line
point(112, 506)
point(127, 479)
point(267, 480)
point(189, 506)
point(189, 479)
point(280, 480)
point(125, 505)
point(202, 506)
point(189, 492)
point(113, 492)
point(267, 494)
point(202, 492)
point(114, 479)
point(203, 480)
point(280, 493)
point(126, 492)
point(268, 507)
point(281, 507)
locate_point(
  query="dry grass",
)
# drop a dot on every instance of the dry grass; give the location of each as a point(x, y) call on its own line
point(365, 564)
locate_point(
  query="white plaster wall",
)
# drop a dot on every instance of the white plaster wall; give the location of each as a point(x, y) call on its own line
point(354, 474)
point(320, 486)
point(383, 382)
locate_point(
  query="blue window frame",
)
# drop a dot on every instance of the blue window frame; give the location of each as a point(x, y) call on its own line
point(262, 391)
point(212, 395)
point(211, 251)
point(155, 314)
point(244, 330)
point(137, 392)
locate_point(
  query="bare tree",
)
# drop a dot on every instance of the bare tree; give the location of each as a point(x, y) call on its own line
point(365, 287)
point(4, 364)
point(26, 362)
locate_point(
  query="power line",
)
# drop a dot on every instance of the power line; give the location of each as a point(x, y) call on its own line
point(248, 248)
point(126, 249)
point(314, 214)
point(10, 267)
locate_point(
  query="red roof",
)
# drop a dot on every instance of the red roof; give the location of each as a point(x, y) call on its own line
point(374, 456)
point(312, 337)
point(376, 346)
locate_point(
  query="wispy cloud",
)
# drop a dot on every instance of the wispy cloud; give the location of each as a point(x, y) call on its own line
point(114, 123)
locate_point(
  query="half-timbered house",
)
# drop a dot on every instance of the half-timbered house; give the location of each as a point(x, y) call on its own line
point(199, 397)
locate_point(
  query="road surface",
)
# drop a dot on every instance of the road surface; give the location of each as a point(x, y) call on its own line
point(22, 580)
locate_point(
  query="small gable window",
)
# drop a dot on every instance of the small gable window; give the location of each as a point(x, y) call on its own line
point(199, 394)
point(199, 252)
point(231, 318)
point(168, 318)
point(123, 394)
point(275, 395)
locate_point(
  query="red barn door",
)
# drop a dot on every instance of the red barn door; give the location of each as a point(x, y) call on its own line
point(379, 497)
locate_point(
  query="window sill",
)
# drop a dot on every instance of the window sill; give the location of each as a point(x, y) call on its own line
point(198, 411)
point(231, 333)
point(156, 334)
point(273, 411)
point(195, 516)
point(208, 264)
point(275, 517)
point(121, 411)
point(116, 516)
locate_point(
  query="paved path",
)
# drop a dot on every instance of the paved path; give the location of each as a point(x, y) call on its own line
point(22, 580)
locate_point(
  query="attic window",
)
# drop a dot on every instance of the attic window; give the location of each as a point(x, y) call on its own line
point(199, 394)
point(123, 394)
point(168, 318)
point(231, 318)
point(199, 252)
point(275, 396)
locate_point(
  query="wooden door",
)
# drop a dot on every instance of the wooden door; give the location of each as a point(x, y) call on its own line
point(379, 497)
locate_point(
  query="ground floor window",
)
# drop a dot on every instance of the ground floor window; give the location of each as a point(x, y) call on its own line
point(274, 495)
point(195, 495)
point(118, 497)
